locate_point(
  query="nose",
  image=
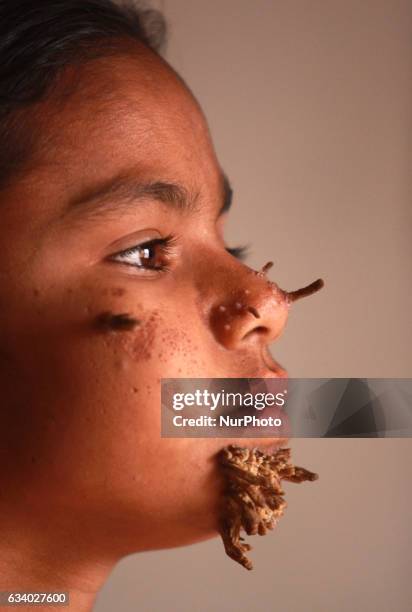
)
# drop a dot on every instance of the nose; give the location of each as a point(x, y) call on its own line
point(255, 308)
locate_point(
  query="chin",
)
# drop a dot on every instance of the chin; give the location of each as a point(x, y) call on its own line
point(188, 531)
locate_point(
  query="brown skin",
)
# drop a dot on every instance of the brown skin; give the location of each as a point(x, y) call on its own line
point(88, 477)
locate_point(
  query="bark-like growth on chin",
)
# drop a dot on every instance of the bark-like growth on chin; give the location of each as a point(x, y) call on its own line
point(253, 500)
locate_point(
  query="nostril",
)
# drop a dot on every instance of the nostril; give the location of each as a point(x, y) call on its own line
point(253, 311)
point(260, 330)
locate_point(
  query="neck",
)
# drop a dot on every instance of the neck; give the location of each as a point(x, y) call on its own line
point(47, 556)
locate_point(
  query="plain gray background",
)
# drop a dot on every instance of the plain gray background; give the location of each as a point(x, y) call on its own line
point(310, 106)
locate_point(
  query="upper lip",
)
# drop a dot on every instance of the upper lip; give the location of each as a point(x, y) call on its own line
point(273, 365)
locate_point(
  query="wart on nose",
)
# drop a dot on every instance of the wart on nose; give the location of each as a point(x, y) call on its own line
point(261, 309)
point(314, 287)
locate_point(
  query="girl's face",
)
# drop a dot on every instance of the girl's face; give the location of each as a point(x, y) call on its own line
point(121, 211)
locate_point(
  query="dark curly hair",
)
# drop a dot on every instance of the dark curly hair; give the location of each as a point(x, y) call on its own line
point(40, 38)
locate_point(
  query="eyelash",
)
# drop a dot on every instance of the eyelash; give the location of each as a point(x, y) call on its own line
point(240, 252)
point(166, 244)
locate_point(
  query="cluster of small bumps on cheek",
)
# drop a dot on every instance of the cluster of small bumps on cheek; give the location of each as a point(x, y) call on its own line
point(140, 343)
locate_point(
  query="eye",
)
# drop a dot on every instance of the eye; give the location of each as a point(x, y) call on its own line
point(239, 252)
point(150, 255)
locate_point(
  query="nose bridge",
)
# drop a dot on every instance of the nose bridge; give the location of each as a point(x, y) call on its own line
point(248, 304)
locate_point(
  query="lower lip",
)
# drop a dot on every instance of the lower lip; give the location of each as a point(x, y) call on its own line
point(268, 447)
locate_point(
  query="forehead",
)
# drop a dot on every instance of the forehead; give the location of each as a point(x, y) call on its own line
point(123, 112)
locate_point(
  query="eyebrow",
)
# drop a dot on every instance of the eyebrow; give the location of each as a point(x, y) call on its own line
point(121, 193)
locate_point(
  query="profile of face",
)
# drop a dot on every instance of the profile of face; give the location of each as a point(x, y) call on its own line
point(120, 212)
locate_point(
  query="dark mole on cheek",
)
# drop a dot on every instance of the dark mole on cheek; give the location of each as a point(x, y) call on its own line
point(118, 291)
point(122, 322)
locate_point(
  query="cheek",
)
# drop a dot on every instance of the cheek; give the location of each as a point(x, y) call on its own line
point(95, 414)
point(98, 390)
point(106, 442)
point(166, 348)
point(139, 346)
point(93, 392)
